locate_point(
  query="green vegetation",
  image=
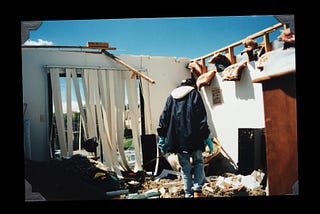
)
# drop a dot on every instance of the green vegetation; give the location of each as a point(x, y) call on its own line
point(128, 143)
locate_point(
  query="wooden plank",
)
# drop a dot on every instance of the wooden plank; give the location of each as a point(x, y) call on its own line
point(65, 46)
point(128, 66)
point(99, 45)
point(267, 46)
point(204, 67)
point(267, 30)
point(221, 50)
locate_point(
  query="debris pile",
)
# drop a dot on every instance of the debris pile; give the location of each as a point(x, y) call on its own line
point(81, 178)
point(228, 185)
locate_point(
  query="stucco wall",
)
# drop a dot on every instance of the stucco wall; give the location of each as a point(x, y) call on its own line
point(241, 107)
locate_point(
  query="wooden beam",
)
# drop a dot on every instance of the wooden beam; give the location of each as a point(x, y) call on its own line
point(128, 66)
point(203, 67)
point(66, 46)
point(253, 36)
point(267, 30)
point(266, 42)
point(217, 51)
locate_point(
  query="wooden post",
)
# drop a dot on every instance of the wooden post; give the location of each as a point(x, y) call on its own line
point(267, 46)
point(230, 55)
point(203, 67)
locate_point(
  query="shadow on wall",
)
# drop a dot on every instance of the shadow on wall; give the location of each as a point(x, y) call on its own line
point(220, 165)
point(244, 88)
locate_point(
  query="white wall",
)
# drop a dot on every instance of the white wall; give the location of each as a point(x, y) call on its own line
point(242, 105)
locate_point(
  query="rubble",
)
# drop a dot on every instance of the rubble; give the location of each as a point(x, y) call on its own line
point(229, 185)
point(78, 178)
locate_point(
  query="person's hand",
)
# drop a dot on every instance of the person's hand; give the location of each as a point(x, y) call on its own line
point(209, 142)
point(161, 145)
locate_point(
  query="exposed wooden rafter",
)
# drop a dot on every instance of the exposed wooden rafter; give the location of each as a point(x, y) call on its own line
point(229, 50)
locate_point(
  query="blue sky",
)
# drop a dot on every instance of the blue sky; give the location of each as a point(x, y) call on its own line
point(188, 37)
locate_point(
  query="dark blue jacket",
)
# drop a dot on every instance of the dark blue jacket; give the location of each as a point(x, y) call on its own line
point(183, 121)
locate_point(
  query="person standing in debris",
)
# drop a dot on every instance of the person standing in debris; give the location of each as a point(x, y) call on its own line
point(183, 130)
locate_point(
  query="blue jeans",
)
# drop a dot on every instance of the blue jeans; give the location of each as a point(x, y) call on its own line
point(192, 180)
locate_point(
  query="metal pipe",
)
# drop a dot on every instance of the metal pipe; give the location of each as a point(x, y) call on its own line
point(117, 193)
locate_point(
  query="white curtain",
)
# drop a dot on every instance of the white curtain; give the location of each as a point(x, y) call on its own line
point(134, 113)
point(103, 115)
point(79, 101)
point(145, 85)
point(57, 101)
point(69, 113)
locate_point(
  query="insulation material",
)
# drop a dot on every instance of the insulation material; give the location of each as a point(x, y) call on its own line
point(233, 72)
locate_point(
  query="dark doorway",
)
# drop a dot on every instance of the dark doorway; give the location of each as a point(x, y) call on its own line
point(252, 150)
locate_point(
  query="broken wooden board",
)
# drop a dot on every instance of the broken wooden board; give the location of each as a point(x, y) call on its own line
point(98, 45)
